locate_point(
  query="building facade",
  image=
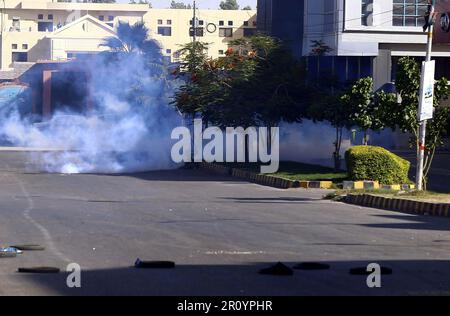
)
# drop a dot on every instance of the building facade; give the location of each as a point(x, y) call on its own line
point(363, 37)
point(283, 19)
point(46, 30)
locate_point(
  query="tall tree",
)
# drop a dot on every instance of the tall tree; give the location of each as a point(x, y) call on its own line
point(329, 107)
point(258, 82)
point(365, 111)
point(229, 5)
point(131, 39)
point(403, 112)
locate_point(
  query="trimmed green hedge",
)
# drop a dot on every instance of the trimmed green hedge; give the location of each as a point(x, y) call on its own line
point(376, 164)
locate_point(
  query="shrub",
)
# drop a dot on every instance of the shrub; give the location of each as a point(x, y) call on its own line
point(376, 164)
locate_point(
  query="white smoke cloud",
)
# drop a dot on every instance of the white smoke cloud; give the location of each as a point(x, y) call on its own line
point(128, 130)
point(310, 142)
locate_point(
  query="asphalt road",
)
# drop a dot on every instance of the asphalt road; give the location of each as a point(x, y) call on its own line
point(219, 231)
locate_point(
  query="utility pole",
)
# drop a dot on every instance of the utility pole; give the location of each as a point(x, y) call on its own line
point(423, 123)
point(194, 23)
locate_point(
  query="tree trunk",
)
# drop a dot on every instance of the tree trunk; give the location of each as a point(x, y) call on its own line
point(429, 157)
point(365, 140)
point(337, 149)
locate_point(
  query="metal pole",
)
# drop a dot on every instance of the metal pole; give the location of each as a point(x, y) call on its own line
point(194, 24)
point(423, 124)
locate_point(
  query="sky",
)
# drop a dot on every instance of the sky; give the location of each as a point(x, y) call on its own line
point(203, 4)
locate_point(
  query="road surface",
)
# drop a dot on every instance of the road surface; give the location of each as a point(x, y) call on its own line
point(219, 231)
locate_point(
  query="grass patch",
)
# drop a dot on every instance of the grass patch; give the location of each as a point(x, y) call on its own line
point(297, 171)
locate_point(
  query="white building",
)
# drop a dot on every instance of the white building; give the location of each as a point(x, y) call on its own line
point(366, 37)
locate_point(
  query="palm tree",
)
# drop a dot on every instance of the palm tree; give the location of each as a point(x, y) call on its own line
point(131, 39)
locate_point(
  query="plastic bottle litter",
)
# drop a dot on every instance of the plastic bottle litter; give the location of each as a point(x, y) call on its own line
point(9, 252)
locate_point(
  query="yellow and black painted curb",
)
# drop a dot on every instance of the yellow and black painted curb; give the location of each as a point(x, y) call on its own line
point(266, 180)
point(375, 185)
point(399, 205)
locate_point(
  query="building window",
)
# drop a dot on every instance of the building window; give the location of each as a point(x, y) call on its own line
point(19, 57)
point(50, 16)
point(160, 22)
point(169, 22)
point(221, 52)
point(164, 30)
point(201, 22)
point(245, 23)
point(225, 32)
point(40, 16)
point(101, 17)
point(14, 46)
point(110, 22)
point(168, 51)
point(198, 33)
point(221, 23)
point(367, 12)
point(25, 46)
point(230, 23)
point(15, 25)
point(45, 26)
point(409, 12)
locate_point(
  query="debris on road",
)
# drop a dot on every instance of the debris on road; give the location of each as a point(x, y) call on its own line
point(154, 264)
point(29, 247)
point(39, 270)
point(9, 252)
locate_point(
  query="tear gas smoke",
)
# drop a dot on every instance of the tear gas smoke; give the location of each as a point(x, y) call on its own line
point(127, 130)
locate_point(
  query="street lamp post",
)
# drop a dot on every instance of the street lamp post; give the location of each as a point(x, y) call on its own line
point(423, 123)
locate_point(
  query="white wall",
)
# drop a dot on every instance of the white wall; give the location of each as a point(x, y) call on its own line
point(344, 33)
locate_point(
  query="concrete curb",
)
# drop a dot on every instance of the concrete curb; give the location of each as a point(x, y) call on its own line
point(375, 185)
point(266, 180)
point(399, 205)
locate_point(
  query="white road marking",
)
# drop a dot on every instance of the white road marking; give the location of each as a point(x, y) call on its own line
point(48, 238)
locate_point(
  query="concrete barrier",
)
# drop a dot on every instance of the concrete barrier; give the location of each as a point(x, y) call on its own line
point(263, 179)
point(375, 185)
point(399, 205)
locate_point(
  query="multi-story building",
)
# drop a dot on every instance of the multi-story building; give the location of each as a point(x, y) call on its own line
point(41, 40)
point(363, 37)
point(217, 27)
point(46, 30)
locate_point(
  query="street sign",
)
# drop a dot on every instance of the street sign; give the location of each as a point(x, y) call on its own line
point(426, 91)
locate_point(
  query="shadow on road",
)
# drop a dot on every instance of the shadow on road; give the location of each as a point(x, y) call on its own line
point(188, 175)
point(414, 222)
point(408, 278)
point(276, 200)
